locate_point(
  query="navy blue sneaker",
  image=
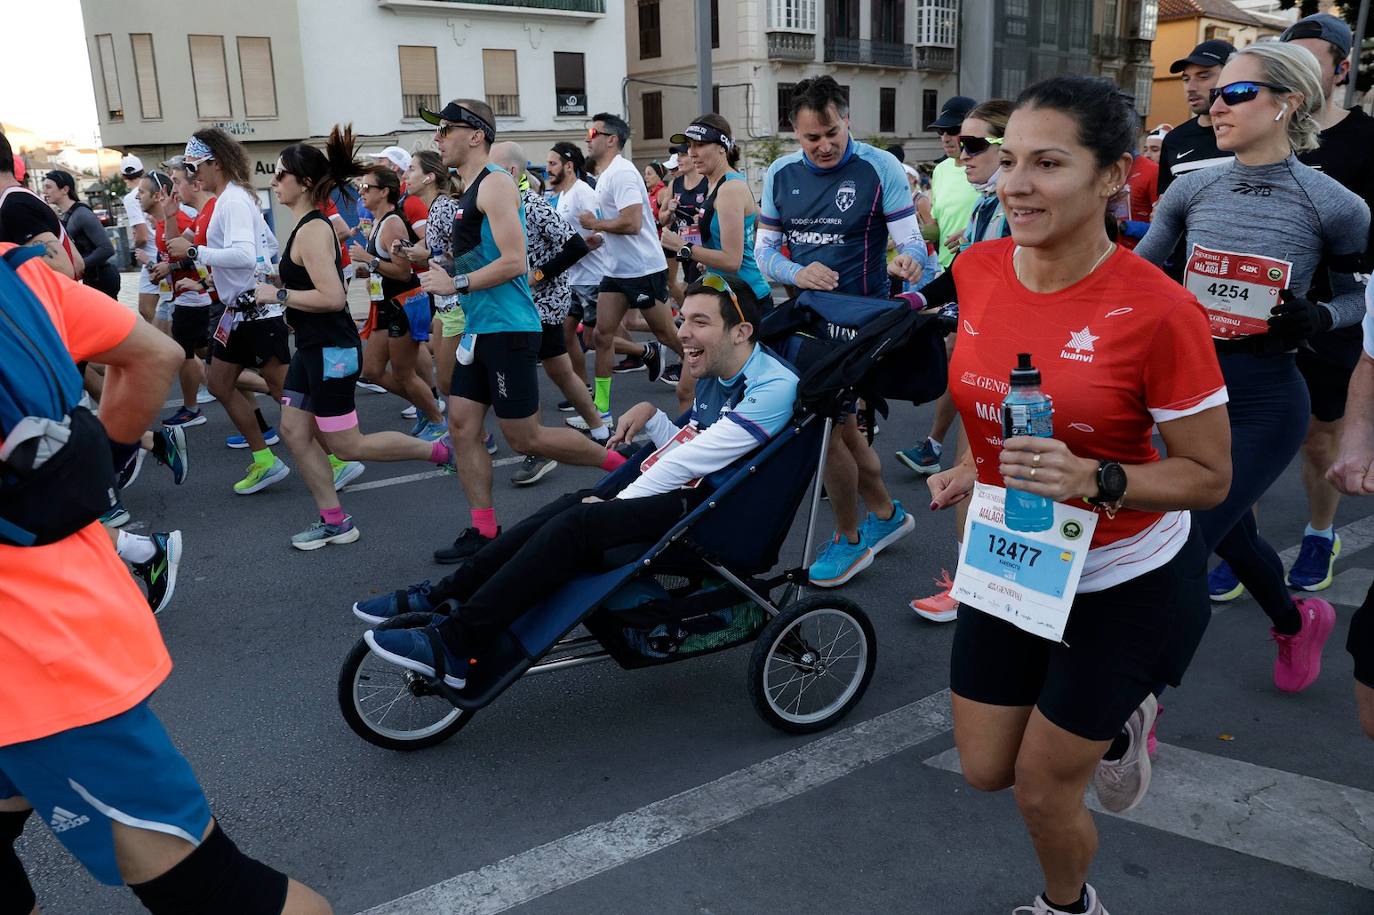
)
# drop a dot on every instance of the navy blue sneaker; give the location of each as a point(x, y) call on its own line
point(238, 441)
point(414, 599)
point(414, 649)
point(1313, 569)
point(1223, 585)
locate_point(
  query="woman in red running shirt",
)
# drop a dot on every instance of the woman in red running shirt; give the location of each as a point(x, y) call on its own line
point(1120, 348)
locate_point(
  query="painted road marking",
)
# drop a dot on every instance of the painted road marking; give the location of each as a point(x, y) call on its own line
point(630, 836)
point(1290, 819)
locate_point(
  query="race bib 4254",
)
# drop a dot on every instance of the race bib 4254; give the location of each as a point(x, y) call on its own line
point(1239, 291)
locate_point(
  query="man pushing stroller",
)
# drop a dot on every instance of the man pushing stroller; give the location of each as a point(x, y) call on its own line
point(744, 396)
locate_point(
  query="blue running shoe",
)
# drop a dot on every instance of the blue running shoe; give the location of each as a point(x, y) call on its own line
point(238, 441)
point(1223, 585)
point(169, 448)
point(878, 534)
point(414, 599)
point(186, 418)
point(117, 516)
point(414, 649)
point(923, 458)
point(1316, 563)
point(839, 562)
point(431, 432)
point(490, 443)
point(418, 427)
point(346, 472)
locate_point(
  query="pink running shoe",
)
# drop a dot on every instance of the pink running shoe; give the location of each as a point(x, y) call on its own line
point(939, 607)
point(1300, 655)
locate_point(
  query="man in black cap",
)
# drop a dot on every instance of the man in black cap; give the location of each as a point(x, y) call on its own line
point(1329, 359)
point(1193, 145)
point(951, 196)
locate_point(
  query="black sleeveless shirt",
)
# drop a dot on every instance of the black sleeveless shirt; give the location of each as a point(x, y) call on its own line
point(392, 288)
point(315, 328)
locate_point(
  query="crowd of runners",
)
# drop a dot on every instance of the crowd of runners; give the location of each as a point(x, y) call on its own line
point(1200, 287)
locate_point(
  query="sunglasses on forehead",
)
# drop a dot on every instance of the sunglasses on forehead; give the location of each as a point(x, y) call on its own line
point(717, 282)
point(1241, 92)
point(973, 146)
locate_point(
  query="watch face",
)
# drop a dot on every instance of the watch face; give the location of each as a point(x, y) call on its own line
point(1113, 480)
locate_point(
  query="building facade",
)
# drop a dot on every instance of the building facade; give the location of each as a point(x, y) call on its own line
point(897, 59)
point(276, 72)
point(1123, 35)
point(1183, 24)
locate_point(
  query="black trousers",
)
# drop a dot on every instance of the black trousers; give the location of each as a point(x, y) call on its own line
point(531, 560)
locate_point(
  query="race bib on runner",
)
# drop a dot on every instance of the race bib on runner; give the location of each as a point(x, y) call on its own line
point(225, 326)
point(1029, 580)
point(1239, 291)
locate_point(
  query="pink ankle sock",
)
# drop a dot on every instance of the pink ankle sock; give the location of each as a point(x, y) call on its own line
point(333, 515)
point(484, 519)
point(613, 460)
point(440, 453)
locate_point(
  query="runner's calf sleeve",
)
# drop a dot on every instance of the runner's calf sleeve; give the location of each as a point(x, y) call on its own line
point(215, 879)
point(16, 894)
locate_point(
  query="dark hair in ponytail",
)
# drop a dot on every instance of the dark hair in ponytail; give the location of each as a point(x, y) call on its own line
point(570, 153)
point(321, 171)
point(1106, 117)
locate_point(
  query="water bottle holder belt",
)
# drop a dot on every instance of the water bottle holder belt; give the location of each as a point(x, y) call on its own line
point(70, 490)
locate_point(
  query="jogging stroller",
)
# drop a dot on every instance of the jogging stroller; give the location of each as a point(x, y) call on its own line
point(705, 585)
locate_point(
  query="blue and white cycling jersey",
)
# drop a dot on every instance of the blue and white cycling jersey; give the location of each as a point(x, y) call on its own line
point(840, 217)
point(733, 416)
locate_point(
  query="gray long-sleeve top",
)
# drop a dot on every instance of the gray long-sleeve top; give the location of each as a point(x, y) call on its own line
point(88, 235)
point(1285, 210)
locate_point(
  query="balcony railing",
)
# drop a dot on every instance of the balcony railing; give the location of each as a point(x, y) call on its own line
point(504, 106)
point(867, 52)
point(411, 104)
point(933, 57)
point(791, 46)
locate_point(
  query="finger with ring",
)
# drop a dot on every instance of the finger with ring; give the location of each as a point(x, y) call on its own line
point(1036, 460)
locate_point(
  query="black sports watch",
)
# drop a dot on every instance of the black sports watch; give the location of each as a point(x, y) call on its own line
point(192, 253)
point(1111, 485)
point(684, 254)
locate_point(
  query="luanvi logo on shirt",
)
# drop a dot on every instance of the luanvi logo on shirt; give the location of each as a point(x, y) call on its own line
point(1081, 342)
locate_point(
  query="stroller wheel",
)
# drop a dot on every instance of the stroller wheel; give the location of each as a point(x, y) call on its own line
point(811, 664)
point(391, 707)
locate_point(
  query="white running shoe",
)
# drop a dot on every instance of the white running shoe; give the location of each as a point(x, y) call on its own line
point(1121, 784)
point(580, 424)
point(1041, 907)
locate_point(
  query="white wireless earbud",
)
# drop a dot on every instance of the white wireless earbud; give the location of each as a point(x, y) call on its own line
point(1282, 110)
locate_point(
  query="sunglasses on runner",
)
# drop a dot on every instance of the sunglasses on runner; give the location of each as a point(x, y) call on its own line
point(1241, 92)
point(593, 133)
point(193, 167)
point(364, 188)
point(973, 146)
point(717, 282)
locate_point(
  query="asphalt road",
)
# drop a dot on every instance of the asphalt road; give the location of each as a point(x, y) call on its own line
point(1264, 802)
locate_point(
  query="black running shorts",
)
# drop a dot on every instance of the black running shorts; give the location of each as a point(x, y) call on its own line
point(502, 374)
point(551, 342)
point(191, 328)
point(253, 344)
point(1360, 641)
point(1119, 644)
point(1327, 368)
point(639, 291)
point(322, 380)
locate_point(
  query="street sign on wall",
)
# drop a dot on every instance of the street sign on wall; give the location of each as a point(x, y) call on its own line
point(572, 103)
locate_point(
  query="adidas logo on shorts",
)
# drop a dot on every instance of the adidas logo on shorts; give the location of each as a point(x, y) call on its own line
point(63, 819)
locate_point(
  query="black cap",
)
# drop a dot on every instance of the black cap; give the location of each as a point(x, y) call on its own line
point(455, 113)
point(1211, 53)
point(1324, 26)
point(1025, 374)
point(953, 113)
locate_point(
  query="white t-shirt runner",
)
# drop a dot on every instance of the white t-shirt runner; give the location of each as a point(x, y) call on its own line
point(620, 186)
point(138, 218)
point(571, 204)
point(236, 237)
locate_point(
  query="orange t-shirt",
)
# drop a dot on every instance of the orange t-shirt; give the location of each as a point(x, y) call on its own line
point(78, 643)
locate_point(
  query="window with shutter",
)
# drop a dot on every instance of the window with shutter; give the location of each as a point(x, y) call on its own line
point(502, 86)
point(570, 83)
point(145, 76)
point(114, 102)
point(887, 109)
point(419, 79)
point(209, 76)
point(259, 80)
point(653, 115)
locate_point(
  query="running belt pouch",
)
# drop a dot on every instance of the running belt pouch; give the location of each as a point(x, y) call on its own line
point(415, 304)
point(67, 492)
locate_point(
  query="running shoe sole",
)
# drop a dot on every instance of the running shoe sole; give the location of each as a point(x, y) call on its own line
point(935, 616)
point(367, 617)
point(1227, 596)
point(638, 368)
point(907, 526)
point(173, 560)
point(538, 475)
point(198, 421)
point(347, 536)
point(924, 470)
point(138, 468)
point(859, 565)
point(265, 482)
point(119, 519)
point(409, 663)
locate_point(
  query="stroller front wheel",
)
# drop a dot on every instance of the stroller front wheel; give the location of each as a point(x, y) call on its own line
point(812, 663)
point(391, 707)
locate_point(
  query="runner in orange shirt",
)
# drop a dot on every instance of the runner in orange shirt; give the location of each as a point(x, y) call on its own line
point(81, 655)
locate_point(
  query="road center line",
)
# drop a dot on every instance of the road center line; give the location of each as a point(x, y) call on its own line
point(604, 846)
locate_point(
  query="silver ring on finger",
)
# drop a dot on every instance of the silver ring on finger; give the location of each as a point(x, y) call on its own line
point(1033, 470)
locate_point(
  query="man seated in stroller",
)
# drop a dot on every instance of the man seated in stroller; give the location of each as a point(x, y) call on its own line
point(744, 397)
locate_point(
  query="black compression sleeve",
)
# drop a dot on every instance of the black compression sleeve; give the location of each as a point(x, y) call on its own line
point(573, 251)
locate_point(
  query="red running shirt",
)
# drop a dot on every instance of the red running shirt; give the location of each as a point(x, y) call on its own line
point(1119, 351)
